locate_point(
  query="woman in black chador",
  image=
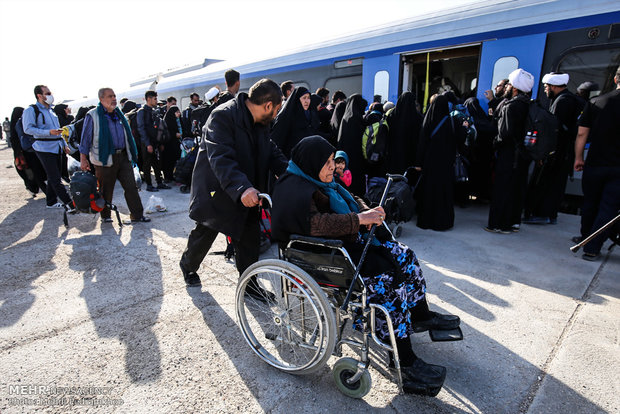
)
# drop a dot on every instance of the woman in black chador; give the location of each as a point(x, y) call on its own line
point(172, 148)
point(350, 141)
point(435, 157)
point(297, 119)
point(335, 122)
point(405, 122)
point(480, 170)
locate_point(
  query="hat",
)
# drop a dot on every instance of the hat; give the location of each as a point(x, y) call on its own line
point(588, 86)
point(556, 79)
point(211, 93)
point(388, 105)
point(522, 80)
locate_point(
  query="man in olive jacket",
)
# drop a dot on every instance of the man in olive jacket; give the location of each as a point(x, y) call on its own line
point(232, 167)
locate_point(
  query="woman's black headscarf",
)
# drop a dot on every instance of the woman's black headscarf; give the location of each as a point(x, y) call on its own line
point(129, 106)
point(483, 122)
point(15, 115)
point(436, 112)
point(170, 114)
point(311, 153)
point(63, 118)
point(293, 123)
point(337, 116)
point(405, 122)
point(350, 140)
point(81, 113)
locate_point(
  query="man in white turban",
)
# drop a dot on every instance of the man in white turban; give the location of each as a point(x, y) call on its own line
point(548, 181)
point(511, 167)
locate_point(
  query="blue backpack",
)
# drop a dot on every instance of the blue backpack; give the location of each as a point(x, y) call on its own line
point(26, 140)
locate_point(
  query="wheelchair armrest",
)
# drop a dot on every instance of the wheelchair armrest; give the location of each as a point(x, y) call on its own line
point(316, 241)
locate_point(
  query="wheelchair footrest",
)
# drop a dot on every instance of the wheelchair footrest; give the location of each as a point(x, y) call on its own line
point(443, 336)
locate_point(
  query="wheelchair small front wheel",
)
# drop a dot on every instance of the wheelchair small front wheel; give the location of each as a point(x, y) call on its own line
point(344, 369)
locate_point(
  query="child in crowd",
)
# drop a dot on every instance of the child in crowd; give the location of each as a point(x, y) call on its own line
point(341, 174)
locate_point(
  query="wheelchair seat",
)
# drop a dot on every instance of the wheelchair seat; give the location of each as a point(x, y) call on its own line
point(326, 260)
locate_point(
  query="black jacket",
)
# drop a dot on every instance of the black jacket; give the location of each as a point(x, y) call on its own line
point(511, 125)
point(235, 154)
point(146, 126)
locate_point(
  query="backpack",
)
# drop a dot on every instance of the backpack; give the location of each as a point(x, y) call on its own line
point(399, 204)
point(132, 119)
point(198, 119)
point(26, 140)
point(374, 142)
point(86, 197)
point(541, 132)
point(163, 136)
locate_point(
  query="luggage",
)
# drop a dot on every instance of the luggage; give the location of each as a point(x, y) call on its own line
point(185, 166)
point(86, 197)
point(374, 142)
point(399, 205)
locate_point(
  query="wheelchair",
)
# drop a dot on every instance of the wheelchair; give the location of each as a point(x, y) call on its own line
point(293, 312)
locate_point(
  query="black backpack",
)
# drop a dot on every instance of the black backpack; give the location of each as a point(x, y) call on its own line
point(399, 204)
point(163, 136)
point(541, 132)
point(26, 140)
point(86, 197)
point(132, 119)
point(374, 142)
point(199, 118)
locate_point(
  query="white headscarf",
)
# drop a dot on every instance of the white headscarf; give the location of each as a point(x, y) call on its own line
point(522, 80)
point(557, 79)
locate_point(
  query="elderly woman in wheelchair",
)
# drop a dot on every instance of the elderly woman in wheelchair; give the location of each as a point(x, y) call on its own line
point(297, 322)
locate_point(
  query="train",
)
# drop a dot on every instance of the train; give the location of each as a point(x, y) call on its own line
point(467, 49)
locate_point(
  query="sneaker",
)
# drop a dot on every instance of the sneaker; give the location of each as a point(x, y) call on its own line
point(191, 278)
point(106, 220)
point(57, 205)
point(141, 220)
point(151, 189)
point(162, 186)
point(515, 228)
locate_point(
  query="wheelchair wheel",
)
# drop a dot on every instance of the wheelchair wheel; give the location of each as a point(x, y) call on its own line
point(285, 316)
point(344, 369)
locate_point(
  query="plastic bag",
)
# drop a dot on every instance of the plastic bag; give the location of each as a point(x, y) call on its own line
point(155, 204)
point(137, 177)
point(73, 165)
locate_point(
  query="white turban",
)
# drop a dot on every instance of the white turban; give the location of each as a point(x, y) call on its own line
point(557, 79)
point(211, 93)
point(522, 80)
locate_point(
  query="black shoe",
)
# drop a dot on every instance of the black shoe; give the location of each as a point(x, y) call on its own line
point(140, 220)
point(590, 257)
point(577, 239)
point(437, 322)
point(191, 278)
point(422, 378)
point(151, 189)
point(162, 186)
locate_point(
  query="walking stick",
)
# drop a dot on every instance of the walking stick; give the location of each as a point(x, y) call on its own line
point(587, 240)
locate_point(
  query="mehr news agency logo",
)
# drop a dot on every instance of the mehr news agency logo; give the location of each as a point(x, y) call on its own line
point(52, 395)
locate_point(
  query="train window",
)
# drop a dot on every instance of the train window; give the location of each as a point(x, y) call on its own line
point(503, 67)
point(382, 84)
point(349, 85)
point(594, 65)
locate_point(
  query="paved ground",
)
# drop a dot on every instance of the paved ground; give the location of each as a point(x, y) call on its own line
point(104, 310)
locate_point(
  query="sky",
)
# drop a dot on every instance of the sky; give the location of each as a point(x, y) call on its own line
point(77, 46)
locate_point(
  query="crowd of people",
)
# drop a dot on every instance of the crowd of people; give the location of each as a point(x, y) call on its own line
point(316, 156)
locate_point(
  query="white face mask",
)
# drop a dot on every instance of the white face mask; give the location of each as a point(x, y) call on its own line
point(49, 99)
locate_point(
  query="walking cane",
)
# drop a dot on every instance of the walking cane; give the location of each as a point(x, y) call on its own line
point(587, 240)
point(371, 233)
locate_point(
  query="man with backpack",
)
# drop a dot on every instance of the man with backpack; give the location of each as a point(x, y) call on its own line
point(148, 128)
point(548, 181)
point(108, 142)
point(41, 123)
point(511, 165)
point(600, 123)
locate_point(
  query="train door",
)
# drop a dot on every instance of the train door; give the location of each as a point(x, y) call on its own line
point(436, 71)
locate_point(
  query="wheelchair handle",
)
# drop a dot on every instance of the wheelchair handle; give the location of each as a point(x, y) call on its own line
point(265, 196)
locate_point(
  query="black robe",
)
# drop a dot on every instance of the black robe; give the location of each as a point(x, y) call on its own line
point(293, 123)
point(480, 168)
point(436, 155)
point(350, 141)
point(334, 123)
point(405, 122)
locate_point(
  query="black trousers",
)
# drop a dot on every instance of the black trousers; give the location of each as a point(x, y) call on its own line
point(38, 172)
point(601, 203)
point(508, 189)
point(52, 165)
point(201, 239)
point(150, 160)
point(546, 188)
